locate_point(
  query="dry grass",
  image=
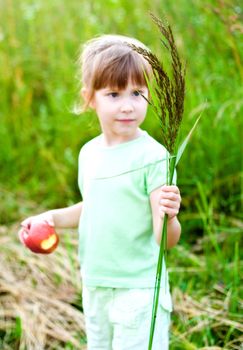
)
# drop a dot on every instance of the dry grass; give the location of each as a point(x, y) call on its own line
point(204, 315)
point(41, 291)
point(212, 312)
point(40, 301)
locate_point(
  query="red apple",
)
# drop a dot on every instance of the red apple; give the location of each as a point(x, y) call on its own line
point(40, 237)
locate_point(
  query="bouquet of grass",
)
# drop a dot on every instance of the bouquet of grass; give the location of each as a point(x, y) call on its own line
point(167, 93)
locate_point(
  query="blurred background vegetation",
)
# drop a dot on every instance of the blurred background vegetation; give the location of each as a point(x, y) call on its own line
point(40, 137)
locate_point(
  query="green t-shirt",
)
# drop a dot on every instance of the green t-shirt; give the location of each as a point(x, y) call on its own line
point(117, 246)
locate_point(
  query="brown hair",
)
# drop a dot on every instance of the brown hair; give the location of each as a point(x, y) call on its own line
point(109, 61)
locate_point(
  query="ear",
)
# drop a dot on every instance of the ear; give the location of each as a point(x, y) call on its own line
point(86, 96)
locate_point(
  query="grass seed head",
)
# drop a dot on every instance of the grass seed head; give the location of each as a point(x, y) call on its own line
point(168, 92)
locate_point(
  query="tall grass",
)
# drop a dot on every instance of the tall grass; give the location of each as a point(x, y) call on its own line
point(40, 138)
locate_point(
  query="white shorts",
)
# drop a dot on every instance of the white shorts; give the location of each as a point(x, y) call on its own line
point(119, 319)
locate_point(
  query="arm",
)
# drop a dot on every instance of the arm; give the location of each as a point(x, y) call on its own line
point(60, 218)
point(166, 199)
point(67, 217)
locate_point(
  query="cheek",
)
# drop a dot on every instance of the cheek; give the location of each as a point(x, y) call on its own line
point(143, 109)
point(101, 110)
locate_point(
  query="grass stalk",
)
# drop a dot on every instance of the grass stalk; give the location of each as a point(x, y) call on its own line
point(161, 259)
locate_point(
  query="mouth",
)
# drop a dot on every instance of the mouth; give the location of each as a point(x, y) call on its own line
point(126, 120)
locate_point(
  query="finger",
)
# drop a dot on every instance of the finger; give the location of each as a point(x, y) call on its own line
point(45, 217)
point(49, 221)
point(23, 234)
point(171, 212)
point(170, 195)
point(169, 204)
point(26, 223)
point(171, 188)
point(20, 236)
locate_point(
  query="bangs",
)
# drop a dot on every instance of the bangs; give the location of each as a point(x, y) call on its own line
point(116, 72)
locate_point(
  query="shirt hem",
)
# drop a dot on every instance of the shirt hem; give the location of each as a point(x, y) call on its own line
point(125, 283)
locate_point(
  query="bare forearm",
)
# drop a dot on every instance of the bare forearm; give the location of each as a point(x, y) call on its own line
point(173, 232)
point(67, 217)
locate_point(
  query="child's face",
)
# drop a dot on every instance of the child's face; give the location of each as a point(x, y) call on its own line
point(120, 112)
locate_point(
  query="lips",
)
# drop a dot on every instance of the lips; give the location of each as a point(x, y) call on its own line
point(125, 120)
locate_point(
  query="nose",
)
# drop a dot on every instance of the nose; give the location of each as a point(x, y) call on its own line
point(127, 106)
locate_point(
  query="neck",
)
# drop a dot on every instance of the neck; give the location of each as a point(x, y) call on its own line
point(109, 142)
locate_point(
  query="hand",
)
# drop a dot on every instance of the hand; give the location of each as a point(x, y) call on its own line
point(169, 201)
point(26, 224)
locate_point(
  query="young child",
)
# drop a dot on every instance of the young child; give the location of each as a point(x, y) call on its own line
point(122, 176)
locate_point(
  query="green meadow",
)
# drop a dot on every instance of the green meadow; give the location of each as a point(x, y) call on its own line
point(40, 138)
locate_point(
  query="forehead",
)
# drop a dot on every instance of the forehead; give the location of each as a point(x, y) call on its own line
point(129, 86)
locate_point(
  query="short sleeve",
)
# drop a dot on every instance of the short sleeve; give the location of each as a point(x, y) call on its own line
point(80, 170)
point(156, 175)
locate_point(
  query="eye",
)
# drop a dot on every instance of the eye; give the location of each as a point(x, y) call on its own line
point(113, 94)
point(136, 93)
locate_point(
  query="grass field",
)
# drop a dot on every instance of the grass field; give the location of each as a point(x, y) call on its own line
point(40, 139)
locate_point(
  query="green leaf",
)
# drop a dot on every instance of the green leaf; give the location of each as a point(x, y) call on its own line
point(18, 327)
point(185, 142)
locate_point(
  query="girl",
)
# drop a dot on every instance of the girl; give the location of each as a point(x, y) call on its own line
point(122, 176)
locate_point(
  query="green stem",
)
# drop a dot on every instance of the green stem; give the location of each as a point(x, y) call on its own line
point(161, 258)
